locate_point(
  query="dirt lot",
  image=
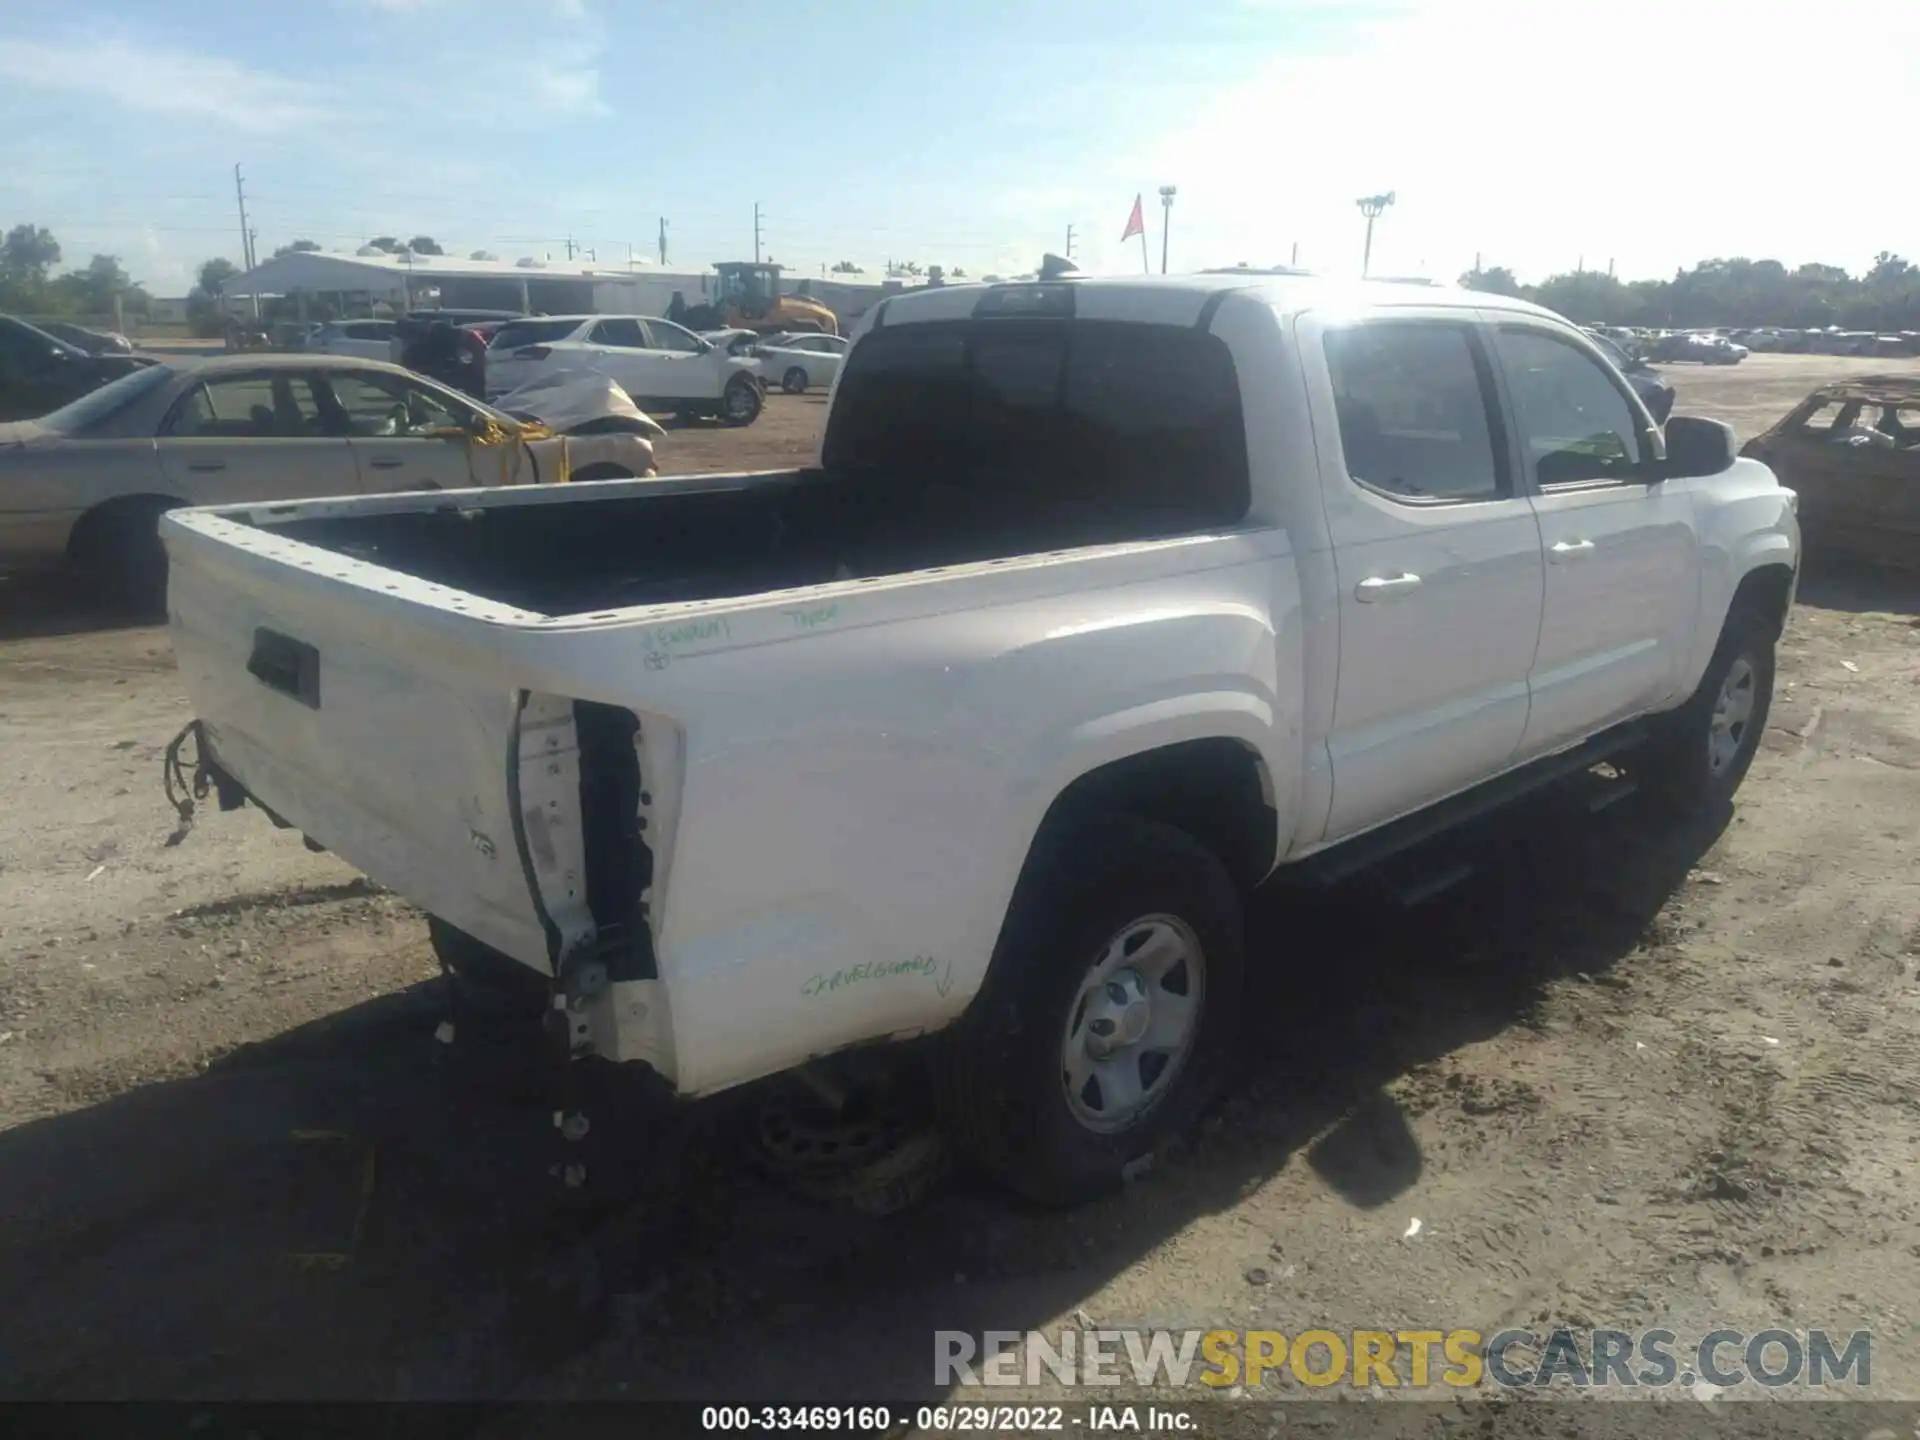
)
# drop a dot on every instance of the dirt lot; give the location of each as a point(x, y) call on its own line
point(1628, 1076)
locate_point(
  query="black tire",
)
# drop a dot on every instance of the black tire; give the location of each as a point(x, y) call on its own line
point(999, 1072)
point(1679, 770)
point(794, 382)
point(487, 985)
point(741, 402)
point(119, 550)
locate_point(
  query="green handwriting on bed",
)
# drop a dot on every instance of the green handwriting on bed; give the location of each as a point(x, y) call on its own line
point(688, 632)
point(813, 619)
point(871, 970)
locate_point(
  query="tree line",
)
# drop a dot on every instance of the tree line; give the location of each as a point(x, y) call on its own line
point(1739, 292)
point(28, 286)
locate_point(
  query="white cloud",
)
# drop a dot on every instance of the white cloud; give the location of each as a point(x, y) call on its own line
point(1655, 135)
point(162, 80)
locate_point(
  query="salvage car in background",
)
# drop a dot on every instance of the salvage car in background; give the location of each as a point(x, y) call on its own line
point(1851, 450)
point(1706, 349)
point(366, 339)
point(40, 372)
point(87, 484)
point(663, 366)
point(798, 362)
point(94, 342)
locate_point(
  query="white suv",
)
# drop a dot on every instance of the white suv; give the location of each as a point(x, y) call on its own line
point(660, 364)
point(364, 339)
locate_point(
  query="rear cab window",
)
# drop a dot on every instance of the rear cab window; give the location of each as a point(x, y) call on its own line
point(1414, 402)
point(1142, 420)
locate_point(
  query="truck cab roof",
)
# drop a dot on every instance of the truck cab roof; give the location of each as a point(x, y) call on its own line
point(1176, 299)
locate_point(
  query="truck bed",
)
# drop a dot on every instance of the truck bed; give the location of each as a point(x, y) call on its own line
point(623, 543)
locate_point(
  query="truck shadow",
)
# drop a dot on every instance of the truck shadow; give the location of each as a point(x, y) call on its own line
point(346, 1212)
point(1838, 583)
point(44, 606)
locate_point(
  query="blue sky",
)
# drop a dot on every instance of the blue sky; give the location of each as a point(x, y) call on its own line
point(970, 133)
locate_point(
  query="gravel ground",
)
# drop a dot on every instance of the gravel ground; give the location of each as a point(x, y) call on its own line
point(1628, 1075)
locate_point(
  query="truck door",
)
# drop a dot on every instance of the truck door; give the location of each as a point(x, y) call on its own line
point(1437, 556)
point(1621, 549)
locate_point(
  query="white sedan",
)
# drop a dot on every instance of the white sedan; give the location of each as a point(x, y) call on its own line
point(86, 484)
point(663, 366)
point(799, 362)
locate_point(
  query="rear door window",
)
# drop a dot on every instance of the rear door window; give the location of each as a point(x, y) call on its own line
point(1133, 415)
point(249, 407)
point(1412, 400)
point(516, 333)
point(622, 334)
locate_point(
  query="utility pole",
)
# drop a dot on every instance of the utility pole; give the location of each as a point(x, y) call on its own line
point(1069, 251)
point(569, 246)
point(246, 238)
point(1371, 206)
point(1293, 261)
point(663, 240)
point(756, 232)
point(1166, 222)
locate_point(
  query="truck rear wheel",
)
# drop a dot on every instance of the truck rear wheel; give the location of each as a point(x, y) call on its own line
point(1702, 751)
point(1109, 1014)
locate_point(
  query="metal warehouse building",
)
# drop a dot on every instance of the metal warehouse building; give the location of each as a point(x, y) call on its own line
point(555, 287)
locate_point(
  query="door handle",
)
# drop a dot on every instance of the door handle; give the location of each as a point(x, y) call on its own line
point(1385, 587)
point(1570, 549)
point(205, 467)
point(386, 462)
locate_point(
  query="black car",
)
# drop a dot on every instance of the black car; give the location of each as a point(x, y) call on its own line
point(40, 373)
point(1655, 393)
point(94, 342)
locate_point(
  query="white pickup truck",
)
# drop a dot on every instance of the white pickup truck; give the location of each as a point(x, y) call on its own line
point(1107, 599)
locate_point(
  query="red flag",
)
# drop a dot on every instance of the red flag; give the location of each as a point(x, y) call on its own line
point(1136, 224)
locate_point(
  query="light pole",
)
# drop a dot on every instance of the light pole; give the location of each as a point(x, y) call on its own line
point(1166, 220)
point(1371, 206)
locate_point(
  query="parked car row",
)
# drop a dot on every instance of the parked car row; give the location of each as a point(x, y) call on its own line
point(1767, 339)
point(86, 484)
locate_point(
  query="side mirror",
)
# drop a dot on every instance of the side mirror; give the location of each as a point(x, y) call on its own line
point(1696, 446)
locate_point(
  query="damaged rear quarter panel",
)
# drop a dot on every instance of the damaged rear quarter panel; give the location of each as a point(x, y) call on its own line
point(861, 773)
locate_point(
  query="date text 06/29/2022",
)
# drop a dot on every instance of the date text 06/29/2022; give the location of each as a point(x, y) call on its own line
point(960, 1419)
